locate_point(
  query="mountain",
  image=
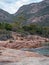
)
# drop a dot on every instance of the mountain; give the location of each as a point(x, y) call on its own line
point(35, 13)
point(5, 16)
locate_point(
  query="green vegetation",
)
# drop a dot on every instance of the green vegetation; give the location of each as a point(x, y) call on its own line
point(5, 26)
point(36, 29)
point(26, 29)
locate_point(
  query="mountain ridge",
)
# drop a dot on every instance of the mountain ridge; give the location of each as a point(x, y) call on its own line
point(33, 13)
point(5, 16)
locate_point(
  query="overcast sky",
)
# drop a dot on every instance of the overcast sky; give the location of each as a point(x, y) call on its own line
point(12, 6)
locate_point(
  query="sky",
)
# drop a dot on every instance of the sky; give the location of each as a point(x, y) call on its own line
point(12, 6)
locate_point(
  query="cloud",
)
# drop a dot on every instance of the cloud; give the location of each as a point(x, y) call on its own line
point(12, 6)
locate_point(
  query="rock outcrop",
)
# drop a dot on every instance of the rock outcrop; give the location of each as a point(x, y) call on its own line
point(18, 57)
point(31, 41)
point(11, 55)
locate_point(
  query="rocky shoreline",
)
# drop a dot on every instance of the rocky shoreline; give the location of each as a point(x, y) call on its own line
point(11, 53)
point(22, 42)
point(18, 57)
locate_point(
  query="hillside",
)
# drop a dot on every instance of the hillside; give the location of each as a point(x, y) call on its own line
point(24, 36)
point(5, 16)
point(34, 13)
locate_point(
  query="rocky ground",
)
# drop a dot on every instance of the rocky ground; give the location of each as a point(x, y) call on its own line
point(11, 53)
point(31, 41)
point(18, 57)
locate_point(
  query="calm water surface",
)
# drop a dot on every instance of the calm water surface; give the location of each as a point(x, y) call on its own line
point(42, 50)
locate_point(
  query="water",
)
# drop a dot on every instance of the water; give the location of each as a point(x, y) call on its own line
point(42, 50)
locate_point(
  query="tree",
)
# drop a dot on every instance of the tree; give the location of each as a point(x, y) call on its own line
point(8, 26)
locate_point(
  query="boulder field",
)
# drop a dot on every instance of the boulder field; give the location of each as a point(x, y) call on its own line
point(19, 42)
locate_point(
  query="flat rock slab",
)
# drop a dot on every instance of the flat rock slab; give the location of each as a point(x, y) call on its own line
point(18, 57)
point(29, 61)
point(12, 55)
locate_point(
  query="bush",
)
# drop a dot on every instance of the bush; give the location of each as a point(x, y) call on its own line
point(8, 26)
